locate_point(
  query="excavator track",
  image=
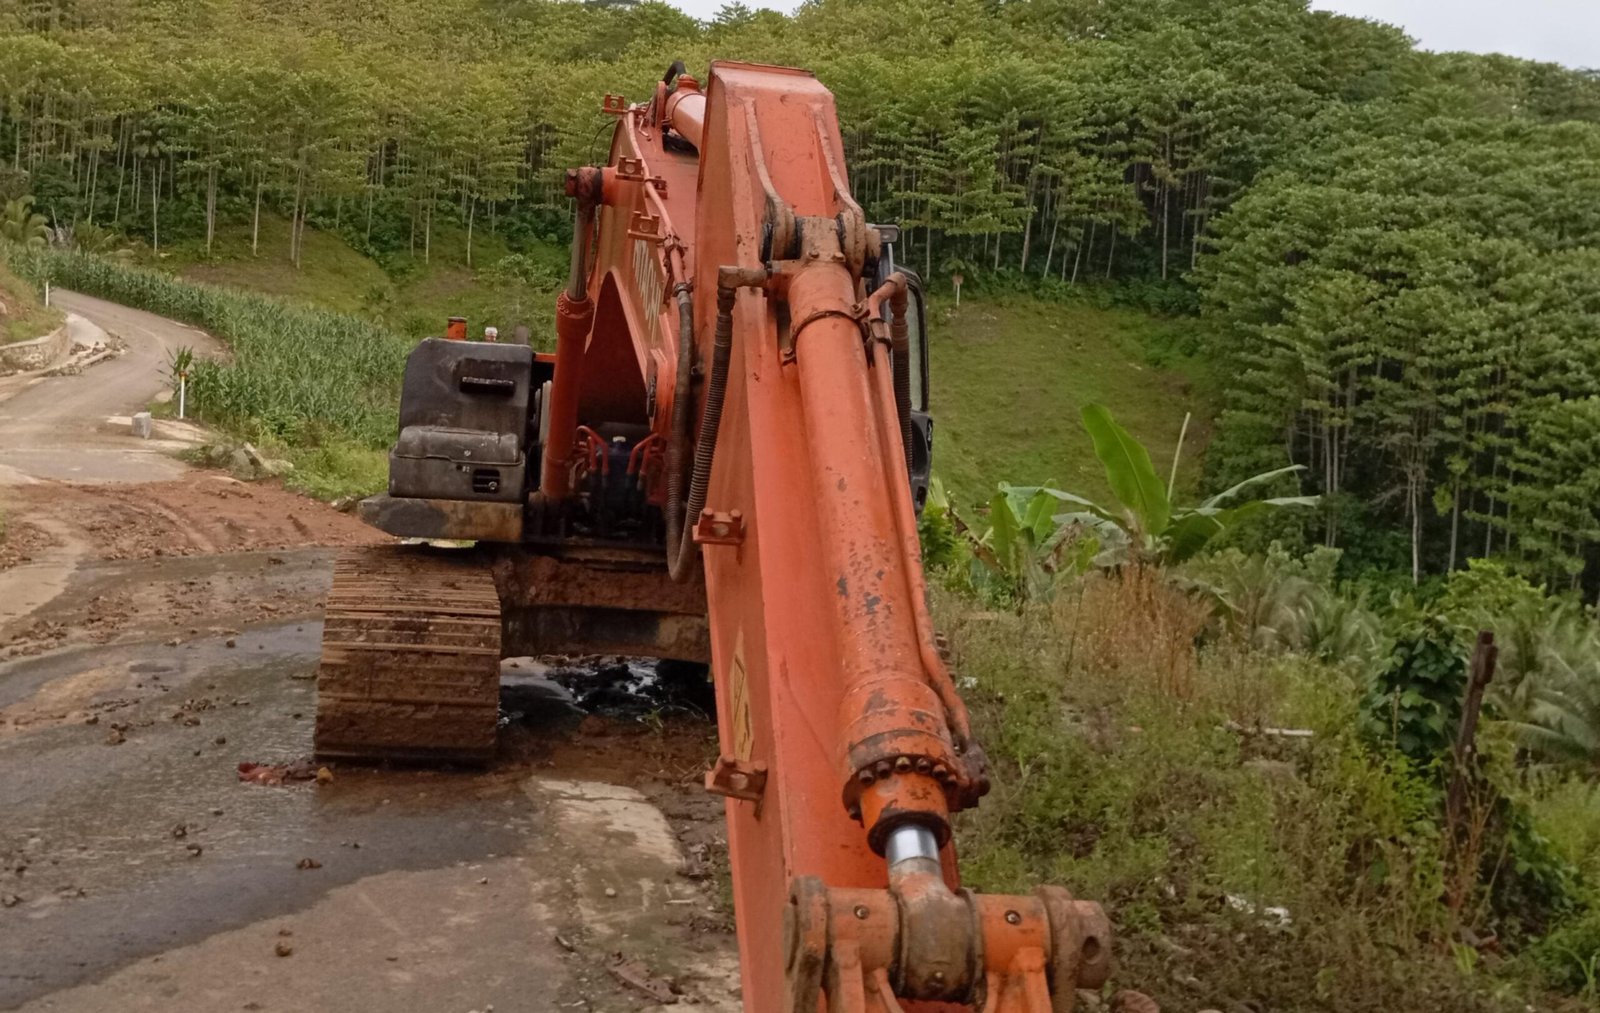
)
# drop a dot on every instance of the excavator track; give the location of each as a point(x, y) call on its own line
point(410, 657)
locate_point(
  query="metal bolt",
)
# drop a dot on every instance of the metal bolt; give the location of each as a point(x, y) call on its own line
point(862, 912)
point(865, 776)
point(1012, 918)
point(924, 765)
point(902, 764)
point(883, 769)
point(941, 772)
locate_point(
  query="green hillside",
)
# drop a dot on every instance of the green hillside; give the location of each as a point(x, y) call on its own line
point(1010, 377)
point(408, 294)
point(22, 315)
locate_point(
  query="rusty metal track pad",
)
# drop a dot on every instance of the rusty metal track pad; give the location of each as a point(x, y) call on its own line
point(410, 657)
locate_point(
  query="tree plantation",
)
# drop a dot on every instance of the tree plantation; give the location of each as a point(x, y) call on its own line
point(1390, 251)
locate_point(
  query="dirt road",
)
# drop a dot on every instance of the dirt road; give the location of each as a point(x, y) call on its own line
point(154, 635)
point(55, 427)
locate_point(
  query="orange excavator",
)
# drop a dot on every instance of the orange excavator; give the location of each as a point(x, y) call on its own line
point(722, 463)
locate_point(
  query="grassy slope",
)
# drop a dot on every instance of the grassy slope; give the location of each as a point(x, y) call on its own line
point(416, 298)
point(331, 275)
point(25, 316)
point(1010, 377)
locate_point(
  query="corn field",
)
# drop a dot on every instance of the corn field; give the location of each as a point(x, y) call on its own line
point(298, 374)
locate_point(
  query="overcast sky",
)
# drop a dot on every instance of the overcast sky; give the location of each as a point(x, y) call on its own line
point(1565, 31)
point(1562, 31)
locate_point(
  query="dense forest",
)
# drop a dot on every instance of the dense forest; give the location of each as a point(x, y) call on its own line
point(1390, 254)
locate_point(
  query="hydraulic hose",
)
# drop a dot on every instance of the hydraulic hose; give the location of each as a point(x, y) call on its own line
point(574, 318)
point(678, 444)
point(896, 292)
point(705, 444)
point(900, 342)
point(578, 269)
point(681, 516)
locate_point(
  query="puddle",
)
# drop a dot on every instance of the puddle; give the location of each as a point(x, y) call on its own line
point(30, 586)
point(621, 688)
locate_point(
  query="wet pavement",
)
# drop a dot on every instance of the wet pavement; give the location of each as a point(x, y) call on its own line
point(137, 871)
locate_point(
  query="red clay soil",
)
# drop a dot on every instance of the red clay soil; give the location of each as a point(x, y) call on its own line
point(203, 512)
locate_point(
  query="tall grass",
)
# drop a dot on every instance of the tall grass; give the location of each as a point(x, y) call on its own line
point(1243, 870)
point(296, 374)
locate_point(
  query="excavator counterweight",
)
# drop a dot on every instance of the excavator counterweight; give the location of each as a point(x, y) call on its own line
point(721, 462)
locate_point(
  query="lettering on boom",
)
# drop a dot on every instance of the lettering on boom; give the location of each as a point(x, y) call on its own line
point(744, 736)
point(650, 284)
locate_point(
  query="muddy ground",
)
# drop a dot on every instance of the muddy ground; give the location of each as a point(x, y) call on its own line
point(201, 552)
point(156, 636)
point(160, 626)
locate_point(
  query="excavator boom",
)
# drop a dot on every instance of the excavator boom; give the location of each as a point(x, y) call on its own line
point(735, 398)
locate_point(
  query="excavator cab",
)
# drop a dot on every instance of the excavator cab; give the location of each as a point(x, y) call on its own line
point(467, 454)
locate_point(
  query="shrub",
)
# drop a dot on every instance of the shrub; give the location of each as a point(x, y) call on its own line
point(1274, 601)
point(1485, 593)
point(1414, 700)
point(1570, 957)
point(1241, 871)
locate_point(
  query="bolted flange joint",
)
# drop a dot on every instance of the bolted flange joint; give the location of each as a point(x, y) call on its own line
point(920, 940)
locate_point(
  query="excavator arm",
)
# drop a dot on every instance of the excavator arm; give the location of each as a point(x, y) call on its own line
point(722, 461)
point(732, 272)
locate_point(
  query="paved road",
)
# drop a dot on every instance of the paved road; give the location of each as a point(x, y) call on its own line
point(55, 428)
point(138, 873)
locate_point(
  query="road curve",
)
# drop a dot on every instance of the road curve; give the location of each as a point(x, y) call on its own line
point(55, 427)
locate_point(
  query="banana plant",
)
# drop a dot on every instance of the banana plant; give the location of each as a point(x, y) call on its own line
point(1026, 550)
point(1145, 525)
point(23, 225)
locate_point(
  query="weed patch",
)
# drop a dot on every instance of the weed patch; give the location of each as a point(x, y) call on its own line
point(1137, 763)
point(338, 471)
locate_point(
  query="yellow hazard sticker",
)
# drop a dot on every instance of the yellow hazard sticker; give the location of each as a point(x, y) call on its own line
point(744, 736)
